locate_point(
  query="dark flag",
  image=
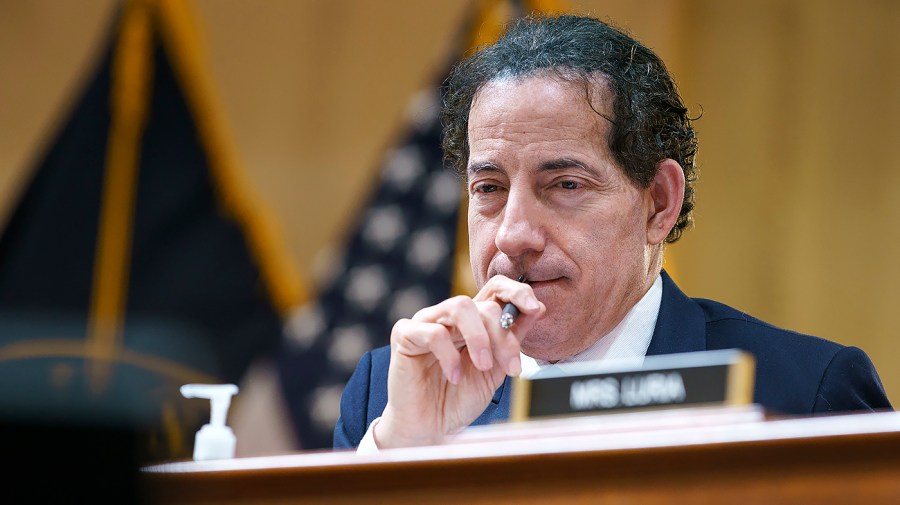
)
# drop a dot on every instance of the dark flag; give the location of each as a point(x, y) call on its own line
point(136, 261)
point(400, 257)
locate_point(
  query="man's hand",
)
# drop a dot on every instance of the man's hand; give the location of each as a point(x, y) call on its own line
point(447, 361)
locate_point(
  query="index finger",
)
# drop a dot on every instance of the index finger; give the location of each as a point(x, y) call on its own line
point(502, 289)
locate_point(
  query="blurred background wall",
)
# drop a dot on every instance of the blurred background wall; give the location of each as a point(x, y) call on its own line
point(800, 100)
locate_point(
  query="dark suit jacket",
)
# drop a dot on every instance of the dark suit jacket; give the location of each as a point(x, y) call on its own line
point(795, 374)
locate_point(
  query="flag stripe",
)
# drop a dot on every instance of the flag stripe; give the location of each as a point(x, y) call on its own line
point(178, 29)
point(131, 74)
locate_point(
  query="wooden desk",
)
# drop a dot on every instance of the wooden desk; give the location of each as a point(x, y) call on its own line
point(698, 456)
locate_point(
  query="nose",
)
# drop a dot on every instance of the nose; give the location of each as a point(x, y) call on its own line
point(521, 230)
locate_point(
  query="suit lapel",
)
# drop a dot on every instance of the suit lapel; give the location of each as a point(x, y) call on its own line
point(681, 324)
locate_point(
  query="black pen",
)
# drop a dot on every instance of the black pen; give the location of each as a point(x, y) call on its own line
point(510, 311)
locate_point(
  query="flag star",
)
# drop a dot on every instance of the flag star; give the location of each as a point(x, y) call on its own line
point(327, 265)
point(367, 286)
point(424, 109)
point(304, 325)
point(326, 406)
point(384, 226)
point(407, 302)
point(348, 345)
point(427, 248)
point(443, 193)
point(404, 166)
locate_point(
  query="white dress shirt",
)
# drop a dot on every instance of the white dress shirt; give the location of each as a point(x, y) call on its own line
point(629, 340)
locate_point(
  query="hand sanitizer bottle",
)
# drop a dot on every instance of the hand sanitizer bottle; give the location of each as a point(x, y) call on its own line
point(214, 440)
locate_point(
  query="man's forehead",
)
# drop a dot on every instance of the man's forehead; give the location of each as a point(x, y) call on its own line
point(541, 107)
point(557, 117)
point(595, 87)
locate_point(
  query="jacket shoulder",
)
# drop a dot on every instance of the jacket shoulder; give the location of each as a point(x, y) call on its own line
point(727, 325)
point(796, 373)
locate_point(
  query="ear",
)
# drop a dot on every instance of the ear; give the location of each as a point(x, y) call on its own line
point(664, 198)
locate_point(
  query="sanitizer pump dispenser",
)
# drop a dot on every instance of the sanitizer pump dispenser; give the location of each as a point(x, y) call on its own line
point(214, 440)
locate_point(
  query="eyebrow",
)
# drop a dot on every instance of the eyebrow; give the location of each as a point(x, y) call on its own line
point(557, 164)
point(481, 167)
point(563, 163)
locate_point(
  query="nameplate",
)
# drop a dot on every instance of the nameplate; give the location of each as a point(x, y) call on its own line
point(668, 381)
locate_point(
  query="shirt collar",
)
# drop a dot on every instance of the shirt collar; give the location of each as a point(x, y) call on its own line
point(628, 340)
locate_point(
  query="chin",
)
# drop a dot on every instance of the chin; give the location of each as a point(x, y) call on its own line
point(546, 347)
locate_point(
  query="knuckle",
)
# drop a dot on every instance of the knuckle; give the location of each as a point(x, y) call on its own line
point(496, 280)
point(400, 325)
point(490, 308)
point(400, 329)
point(433, 334)
point(461, 302)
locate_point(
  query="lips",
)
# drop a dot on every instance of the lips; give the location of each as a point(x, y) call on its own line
point(533, 280)
point(545, 282)
point(536, 274)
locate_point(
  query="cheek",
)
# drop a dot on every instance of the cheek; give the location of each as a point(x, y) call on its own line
point(626, 221)
point(602, 239)
point(481, 247)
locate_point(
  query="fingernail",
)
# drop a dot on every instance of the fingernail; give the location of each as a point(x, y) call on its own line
point(532, 304)
point(515, 367)
point(455, 376)
point(485, 359)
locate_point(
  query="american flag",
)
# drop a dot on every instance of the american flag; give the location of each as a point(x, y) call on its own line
point(398, 259)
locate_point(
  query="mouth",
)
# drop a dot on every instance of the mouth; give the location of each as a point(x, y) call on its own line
point(535, 279)
point(544, 282)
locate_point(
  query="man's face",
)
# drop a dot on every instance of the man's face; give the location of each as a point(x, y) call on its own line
point(547, 199)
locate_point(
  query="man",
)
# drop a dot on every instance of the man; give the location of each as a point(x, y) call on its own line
point(578, 156)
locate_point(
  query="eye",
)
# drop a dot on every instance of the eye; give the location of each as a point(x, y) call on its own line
point(569, 184)
point(485, 188)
